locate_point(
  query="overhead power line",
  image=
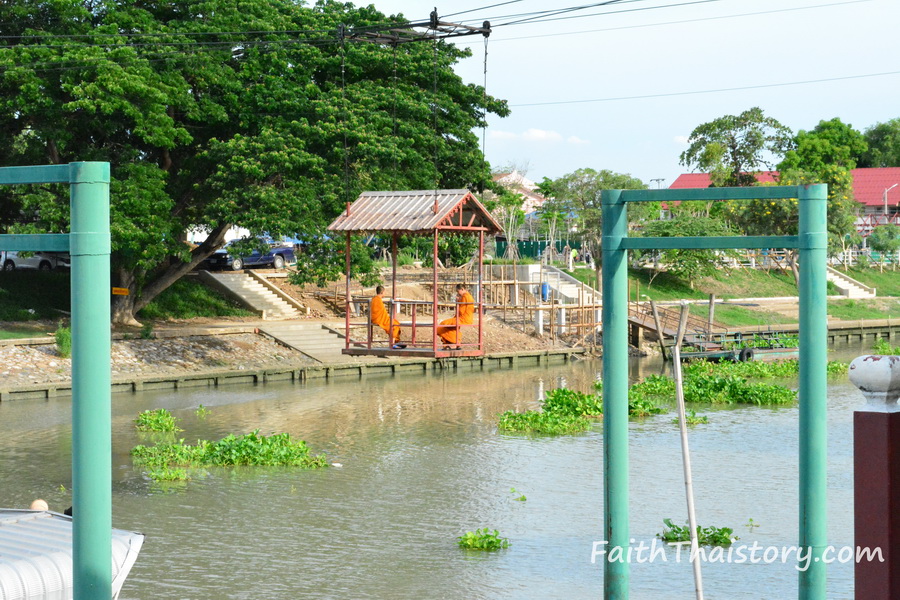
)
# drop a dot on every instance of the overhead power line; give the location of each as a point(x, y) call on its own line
point(715, 91)
point(681, 22)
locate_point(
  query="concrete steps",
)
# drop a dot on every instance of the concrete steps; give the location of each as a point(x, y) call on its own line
point(849, 287)
point(312, 339)
point(250, 293)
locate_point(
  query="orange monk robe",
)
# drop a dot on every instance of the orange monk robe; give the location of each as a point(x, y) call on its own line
point(381, 318)
point(466, 317)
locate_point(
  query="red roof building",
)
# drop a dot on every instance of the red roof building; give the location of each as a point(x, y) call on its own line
point(872, 188)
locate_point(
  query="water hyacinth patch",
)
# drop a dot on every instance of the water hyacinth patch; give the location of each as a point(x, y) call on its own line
point(482, 539)
point(564, 401)
point(159, 420)
point(533, 421)
point(706, 536)
point(692, 418)
point(252, 449)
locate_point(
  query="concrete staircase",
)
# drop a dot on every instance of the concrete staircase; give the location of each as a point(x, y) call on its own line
point(315, 340)
point(848, 286)
point(565, 288)
point(253, 294)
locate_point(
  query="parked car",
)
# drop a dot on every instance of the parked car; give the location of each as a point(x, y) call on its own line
point(43, 261)
point(276, 257)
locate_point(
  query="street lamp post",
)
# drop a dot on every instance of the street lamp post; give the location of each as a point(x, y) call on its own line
point(884, 197)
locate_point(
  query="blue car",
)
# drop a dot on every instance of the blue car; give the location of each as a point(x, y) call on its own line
point(276, 257)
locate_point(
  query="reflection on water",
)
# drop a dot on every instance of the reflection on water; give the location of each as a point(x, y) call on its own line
point(422, 463)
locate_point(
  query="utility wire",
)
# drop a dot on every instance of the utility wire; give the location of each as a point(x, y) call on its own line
point(550, 18)
point(732, 89)
point(682, 22)
point(462, 12)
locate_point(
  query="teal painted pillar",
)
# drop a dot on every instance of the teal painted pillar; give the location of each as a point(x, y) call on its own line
point(813, 386)
point(89, 246)
point(615, 395)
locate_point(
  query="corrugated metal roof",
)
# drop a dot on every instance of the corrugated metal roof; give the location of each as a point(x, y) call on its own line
point(413, 212)
point(36, 555)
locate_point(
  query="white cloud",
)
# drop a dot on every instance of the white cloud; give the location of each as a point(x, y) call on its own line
point(574, 139)
point(541, 135)
point(496, 134)
point(681, 139)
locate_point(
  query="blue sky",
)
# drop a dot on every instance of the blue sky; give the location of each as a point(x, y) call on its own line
point(618, 91)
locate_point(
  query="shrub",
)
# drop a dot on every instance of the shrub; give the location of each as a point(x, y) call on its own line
point(63, 337)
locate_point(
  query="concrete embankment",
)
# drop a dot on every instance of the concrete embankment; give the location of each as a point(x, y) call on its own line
point(303, 373)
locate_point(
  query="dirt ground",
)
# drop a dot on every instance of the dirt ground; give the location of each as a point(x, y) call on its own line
point(499, 336)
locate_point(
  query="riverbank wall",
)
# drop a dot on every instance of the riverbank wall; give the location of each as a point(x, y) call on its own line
point(299, 374)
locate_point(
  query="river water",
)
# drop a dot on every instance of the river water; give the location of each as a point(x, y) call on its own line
point(422, 462)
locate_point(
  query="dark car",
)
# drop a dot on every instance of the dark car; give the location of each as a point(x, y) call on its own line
point(276, 257)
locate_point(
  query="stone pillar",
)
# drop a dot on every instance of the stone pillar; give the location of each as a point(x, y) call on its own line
point(876, 476)
point(561, 321)
point(539, 321)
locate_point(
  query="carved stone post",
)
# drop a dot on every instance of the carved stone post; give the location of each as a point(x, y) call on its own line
point(876, 477)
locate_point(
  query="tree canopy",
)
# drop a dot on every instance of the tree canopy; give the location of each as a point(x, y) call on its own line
point(733, 147)
point(576, 196)
point(883, 140)
point(213, 113)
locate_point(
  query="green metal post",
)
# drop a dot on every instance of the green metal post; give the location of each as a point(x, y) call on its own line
point(89, 245)
point(615, 395)
point(813, 386)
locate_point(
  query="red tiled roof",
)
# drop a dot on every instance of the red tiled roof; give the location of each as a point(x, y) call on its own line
point(702, 180)
point(868, 184)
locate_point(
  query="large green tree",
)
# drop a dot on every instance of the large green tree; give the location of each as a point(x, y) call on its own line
point(254, 113)
point(733, 147)
point(825, 154)
point(883, 141)
point(885, 239)
point(576, 195)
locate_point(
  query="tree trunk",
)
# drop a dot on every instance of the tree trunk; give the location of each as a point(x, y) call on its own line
point(125, 308)
point(792, 261)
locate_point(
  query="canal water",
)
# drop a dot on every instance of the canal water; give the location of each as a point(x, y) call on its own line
point(422, 462)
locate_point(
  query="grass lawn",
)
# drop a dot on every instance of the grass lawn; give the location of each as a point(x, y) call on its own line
point(32, 296)
point(854, 310)
point(887, 283)
point(187, 298)
point(731, 315)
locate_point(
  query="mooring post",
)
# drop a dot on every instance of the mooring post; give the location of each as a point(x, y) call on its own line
point(876, 477)
point(615, 395)
point(813, 388)
point(89, 246)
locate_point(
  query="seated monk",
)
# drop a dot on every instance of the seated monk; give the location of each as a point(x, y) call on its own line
point(380, 317)
point(466, 303)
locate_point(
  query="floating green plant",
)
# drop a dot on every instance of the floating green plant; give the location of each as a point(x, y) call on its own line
point(533, 421)
point(883, 347)
point(563, 401)
point(521, 498)
point(159, 420)
point(482, 539)
point(692, 418)
point(706, 536)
